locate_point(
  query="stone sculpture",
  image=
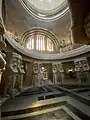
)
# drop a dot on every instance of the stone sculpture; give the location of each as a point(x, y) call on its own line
point(54, 71)
point(61, 71)
point(13, 75)
point(21, 73)
point(35, 74)
point(14, 71)
point(82, 69)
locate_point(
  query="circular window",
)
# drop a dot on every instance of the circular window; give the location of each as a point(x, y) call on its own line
point(45, 9)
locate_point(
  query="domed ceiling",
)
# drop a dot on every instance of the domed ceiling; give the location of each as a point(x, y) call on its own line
point(45, 5)
point(19, 20)
point(45, 9)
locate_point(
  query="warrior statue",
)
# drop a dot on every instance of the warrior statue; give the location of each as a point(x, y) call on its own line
point(54, 70)
point(61, 71)
point(35, 74)
point(14, 71)
point(21, 72)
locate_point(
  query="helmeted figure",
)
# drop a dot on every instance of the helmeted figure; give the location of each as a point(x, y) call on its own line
point(14, 72)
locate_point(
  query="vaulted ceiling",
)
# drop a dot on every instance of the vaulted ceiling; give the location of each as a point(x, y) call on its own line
point(19, 20)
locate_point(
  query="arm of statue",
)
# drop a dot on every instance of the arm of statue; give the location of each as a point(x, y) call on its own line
point(14, 68)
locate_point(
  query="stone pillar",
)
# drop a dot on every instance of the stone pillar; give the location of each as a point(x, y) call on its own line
point(35, 39)
point(61, 71)
point(45, 43)
point(21, 72)
point(82, 9)
point(54, 71)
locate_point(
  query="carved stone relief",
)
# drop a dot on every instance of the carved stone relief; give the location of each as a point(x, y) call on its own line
point(14, 73)
point(21, 72)
point(82, 70)
point(35, 74)
point(58, 73)
point(61, 73)
point(81, 64)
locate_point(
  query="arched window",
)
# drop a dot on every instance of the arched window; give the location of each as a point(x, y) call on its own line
point(40, 42)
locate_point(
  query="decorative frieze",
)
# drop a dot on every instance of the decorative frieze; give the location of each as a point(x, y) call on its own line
point(81, 64)
point(82, 69)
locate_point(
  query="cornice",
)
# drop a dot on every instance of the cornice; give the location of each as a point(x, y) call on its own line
point(47, 56)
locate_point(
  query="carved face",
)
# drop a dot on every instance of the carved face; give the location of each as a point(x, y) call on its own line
point(14, 62)
point(54, 66)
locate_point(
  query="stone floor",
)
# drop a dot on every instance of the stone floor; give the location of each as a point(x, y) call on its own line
point(55, 115)
point(49, 102)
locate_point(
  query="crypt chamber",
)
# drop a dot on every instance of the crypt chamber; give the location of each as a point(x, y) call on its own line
point(44, 59)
